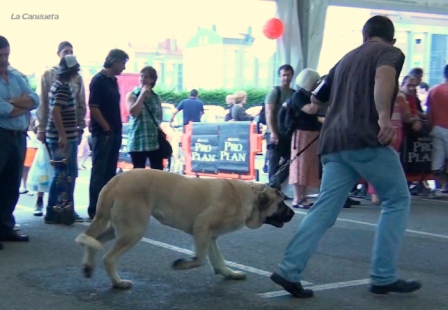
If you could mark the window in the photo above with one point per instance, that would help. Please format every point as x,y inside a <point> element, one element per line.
<point>180,73</point>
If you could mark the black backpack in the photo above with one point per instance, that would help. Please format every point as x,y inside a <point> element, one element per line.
<point>287,118</point>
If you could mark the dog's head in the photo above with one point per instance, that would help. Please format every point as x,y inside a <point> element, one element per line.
<point>269,208</point>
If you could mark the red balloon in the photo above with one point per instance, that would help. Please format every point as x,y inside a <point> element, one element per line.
<point>273,28</point>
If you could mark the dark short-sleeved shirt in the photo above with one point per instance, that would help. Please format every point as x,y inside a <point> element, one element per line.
<point>351,122</point>
<point>304,121</point>
<point>105,95</point>
<point>239,114</point>
<point>192,108</point>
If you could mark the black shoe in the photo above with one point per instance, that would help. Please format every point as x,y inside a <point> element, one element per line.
<point>295,289</point>
<point>51,217</point>
<point>14,237</point>
<point>352,202</point>
<point>399,286</point>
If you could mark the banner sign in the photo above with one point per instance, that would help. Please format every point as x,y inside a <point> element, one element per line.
<point>221,147</point>
<point>416,151</point>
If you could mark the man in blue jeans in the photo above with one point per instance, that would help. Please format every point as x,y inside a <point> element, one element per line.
<point>16,102</point>
<point>355,142</point>
<point>106,126</point>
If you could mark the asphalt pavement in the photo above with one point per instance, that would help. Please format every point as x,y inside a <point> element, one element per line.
<point>46,272</point>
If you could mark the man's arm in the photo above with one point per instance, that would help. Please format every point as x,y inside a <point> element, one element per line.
<point>29,99</point>
<point>43,108</point>
<point>384,89</point>
<point>96,114</point>
<point>8,110</point>
<point>385,85</point>
<point>95,101</point>
<point>179,108</point>
<point>271,119</point>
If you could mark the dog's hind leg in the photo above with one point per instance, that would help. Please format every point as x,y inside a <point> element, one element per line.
<point>127,238</point>
<point>202,237</point>
<point>218,264</point>
<point>88,260</point>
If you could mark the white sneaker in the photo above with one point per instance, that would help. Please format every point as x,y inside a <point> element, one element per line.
<point>16,227</point>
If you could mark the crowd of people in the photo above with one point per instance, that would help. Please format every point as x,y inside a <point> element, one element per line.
<point>60,125</point>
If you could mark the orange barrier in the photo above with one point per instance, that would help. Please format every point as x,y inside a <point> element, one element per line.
<point>223,150</point>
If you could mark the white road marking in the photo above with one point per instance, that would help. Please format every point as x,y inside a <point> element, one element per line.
<point>321,287</point>
<point>417,232</point>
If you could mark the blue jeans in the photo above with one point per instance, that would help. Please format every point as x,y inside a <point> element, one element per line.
<point>380,167</point>
<point>12,157</point>
<point>105,153</point>
<point>72,169</point>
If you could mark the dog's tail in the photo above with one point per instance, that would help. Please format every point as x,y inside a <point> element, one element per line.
<point>99,223</point>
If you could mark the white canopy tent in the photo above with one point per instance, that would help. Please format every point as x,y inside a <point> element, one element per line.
<point>301,42</point>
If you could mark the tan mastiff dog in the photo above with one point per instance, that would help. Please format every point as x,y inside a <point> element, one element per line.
<point>203,208</point>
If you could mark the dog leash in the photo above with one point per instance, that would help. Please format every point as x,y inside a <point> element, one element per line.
<point>289,161</point>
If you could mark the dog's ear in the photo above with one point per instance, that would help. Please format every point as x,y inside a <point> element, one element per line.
<point>264,201</point>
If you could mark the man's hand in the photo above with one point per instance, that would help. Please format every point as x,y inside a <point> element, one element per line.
<point>41,137</point>
<point>387,134</point>
<point>62,141</point>
<point>273,138</point>
<point>145,91</point>
<point>417,126</point>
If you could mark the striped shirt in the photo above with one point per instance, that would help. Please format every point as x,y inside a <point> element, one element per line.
<point>43,89</point>
<point>62,95</point>
<point>143,134</point>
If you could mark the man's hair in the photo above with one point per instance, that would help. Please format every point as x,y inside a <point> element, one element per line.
<point>114,56</point>
<point>379,26</point>
<point>424,85</point>
<point>63,45</point>
<point>416,71</point>
<point>151,72</point>
<point>445,72</point>
<point>286,68</point>
<point>406,78</point>
<point>3,42</point>
<point>193,93</point>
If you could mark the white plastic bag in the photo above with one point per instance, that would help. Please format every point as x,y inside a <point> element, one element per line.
<point>41,172</point>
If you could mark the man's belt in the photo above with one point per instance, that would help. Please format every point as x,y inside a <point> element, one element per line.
<point>12,132</point>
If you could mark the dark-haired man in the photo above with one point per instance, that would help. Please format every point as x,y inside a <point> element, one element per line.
<point>274,100</point>
<point>16,102</point>
<point>354,143</point>
<point>104,104</point>
<point>193,108</point>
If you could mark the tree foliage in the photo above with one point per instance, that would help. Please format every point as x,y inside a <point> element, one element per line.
<point>216,96</point>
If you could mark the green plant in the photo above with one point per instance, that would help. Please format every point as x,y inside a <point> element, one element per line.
<point>216,96</point>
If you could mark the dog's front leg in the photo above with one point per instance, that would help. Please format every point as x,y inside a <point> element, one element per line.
<point>218,264</point>
<point>202,237</point>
